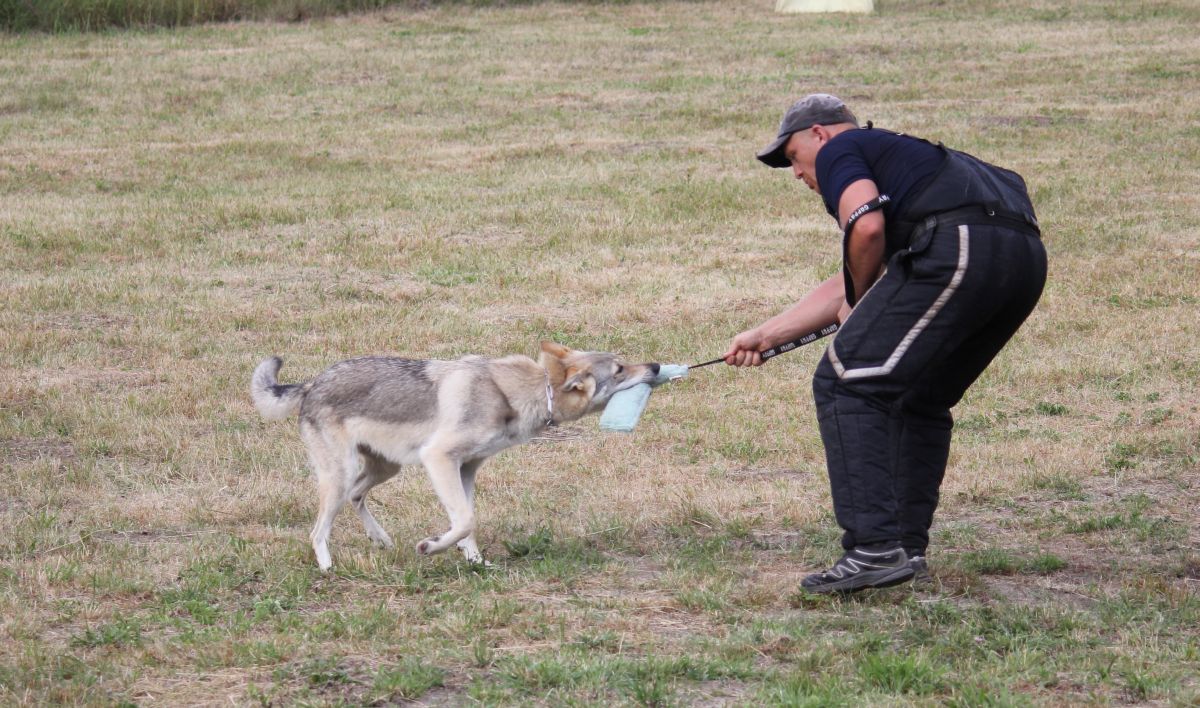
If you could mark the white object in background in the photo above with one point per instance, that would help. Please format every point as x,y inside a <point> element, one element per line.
<point>824,5</point>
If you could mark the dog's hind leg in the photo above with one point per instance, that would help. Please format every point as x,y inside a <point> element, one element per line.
<point>447,481</point>
<point>329,463</point>
<point>375,470</point>
<point>468,545</point>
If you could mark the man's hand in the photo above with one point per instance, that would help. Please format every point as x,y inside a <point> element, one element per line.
<point>745,348</point>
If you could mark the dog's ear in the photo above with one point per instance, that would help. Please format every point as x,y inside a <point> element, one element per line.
<point>581,381</point>
<point>551,359</point>
<point>554,368</point>
<point>555,349</point>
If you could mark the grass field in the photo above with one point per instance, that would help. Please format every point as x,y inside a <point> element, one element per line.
<point>432,182</point>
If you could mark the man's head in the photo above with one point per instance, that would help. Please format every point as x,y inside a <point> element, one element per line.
<point>804,129</point>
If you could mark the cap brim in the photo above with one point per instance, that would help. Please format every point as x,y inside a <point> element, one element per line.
<point>772,155</point>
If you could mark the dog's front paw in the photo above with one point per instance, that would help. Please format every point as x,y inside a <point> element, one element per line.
<point>428,547</point>
<point>324,562</point>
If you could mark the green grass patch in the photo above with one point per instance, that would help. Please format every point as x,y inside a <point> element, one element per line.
<point>91,16</point>
<point>408,680</point>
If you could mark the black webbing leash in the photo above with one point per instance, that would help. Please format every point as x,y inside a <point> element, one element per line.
<point>776,351</point>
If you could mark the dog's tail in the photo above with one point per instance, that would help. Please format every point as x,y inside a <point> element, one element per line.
<point>274,400</point>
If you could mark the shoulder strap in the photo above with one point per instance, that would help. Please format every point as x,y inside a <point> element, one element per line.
<point>871,126</point>
<point>876,203</point>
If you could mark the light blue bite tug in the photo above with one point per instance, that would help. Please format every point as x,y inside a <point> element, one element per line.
<point>625,407</point>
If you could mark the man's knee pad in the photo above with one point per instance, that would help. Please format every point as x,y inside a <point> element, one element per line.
<point>856,396</point>
<point>930,414</point>
<point>825,381</point>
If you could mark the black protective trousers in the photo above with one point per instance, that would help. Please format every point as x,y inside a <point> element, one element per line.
<point>904,357</point>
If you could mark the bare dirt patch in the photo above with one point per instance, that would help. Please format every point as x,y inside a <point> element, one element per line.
<point>30,449</point>
<point>151,536</point>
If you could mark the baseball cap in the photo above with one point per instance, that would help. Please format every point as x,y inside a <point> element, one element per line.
<point>813,109</point>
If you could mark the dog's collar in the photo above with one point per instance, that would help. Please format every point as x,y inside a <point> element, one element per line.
<point>549,402</point>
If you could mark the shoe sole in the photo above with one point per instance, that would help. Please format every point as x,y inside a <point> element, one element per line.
<point>921,576</point>
<point>863,581</point>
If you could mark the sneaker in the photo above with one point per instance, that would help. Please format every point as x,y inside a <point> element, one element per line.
<point>860,569</point>
<point>920,568</point>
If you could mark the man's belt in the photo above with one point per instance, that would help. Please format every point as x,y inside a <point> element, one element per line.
<point>976,214</point>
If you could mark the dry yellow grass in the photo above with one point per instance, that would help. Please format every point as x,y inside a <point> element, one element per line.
<point>178,205</point>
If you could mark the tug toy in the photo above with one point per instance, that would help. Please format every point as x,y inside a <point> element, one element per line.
<point>625,408</point>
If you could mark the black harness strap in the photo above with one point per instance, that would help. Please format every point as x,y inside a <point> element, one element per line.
<point>876,203</point>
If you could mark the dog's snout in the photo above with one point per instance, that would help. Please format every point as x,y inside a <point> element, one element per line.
<point>654,369</point>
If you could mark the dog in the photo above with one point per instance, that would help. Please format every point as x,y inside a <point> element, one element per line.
<point>361,419</point>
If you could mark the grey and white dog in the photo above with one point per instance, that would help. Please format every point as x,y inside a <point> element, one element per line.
<point>361,419</point>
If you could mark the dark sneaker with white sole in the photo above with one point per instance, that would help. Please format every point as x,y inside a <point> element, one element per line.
<point>860,569</point>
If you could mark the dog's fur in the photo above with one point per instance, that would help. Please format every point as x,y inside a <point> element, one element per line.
<point>361,419</point>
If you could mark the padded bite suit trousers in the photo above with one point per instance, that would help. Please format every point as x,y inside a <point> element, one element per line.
<point>903,358</point>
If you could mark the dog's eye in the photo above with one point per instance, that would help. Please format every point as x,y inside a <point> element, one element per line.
<point>620,369</point>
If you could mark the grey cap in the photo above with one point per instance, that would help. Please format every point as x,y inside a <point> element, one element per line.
<point>813,109</point>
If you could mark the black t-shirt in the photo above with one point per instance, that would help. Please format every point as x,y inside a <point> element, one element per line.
<point>899,165</point>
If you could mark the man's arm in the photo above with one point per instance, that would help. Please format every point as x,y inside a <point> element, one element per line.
<point>818,309</point>
<point>865,247</point>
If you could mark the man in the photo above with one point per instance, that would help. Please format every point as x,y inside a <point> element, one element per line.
<point>942,262</point>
